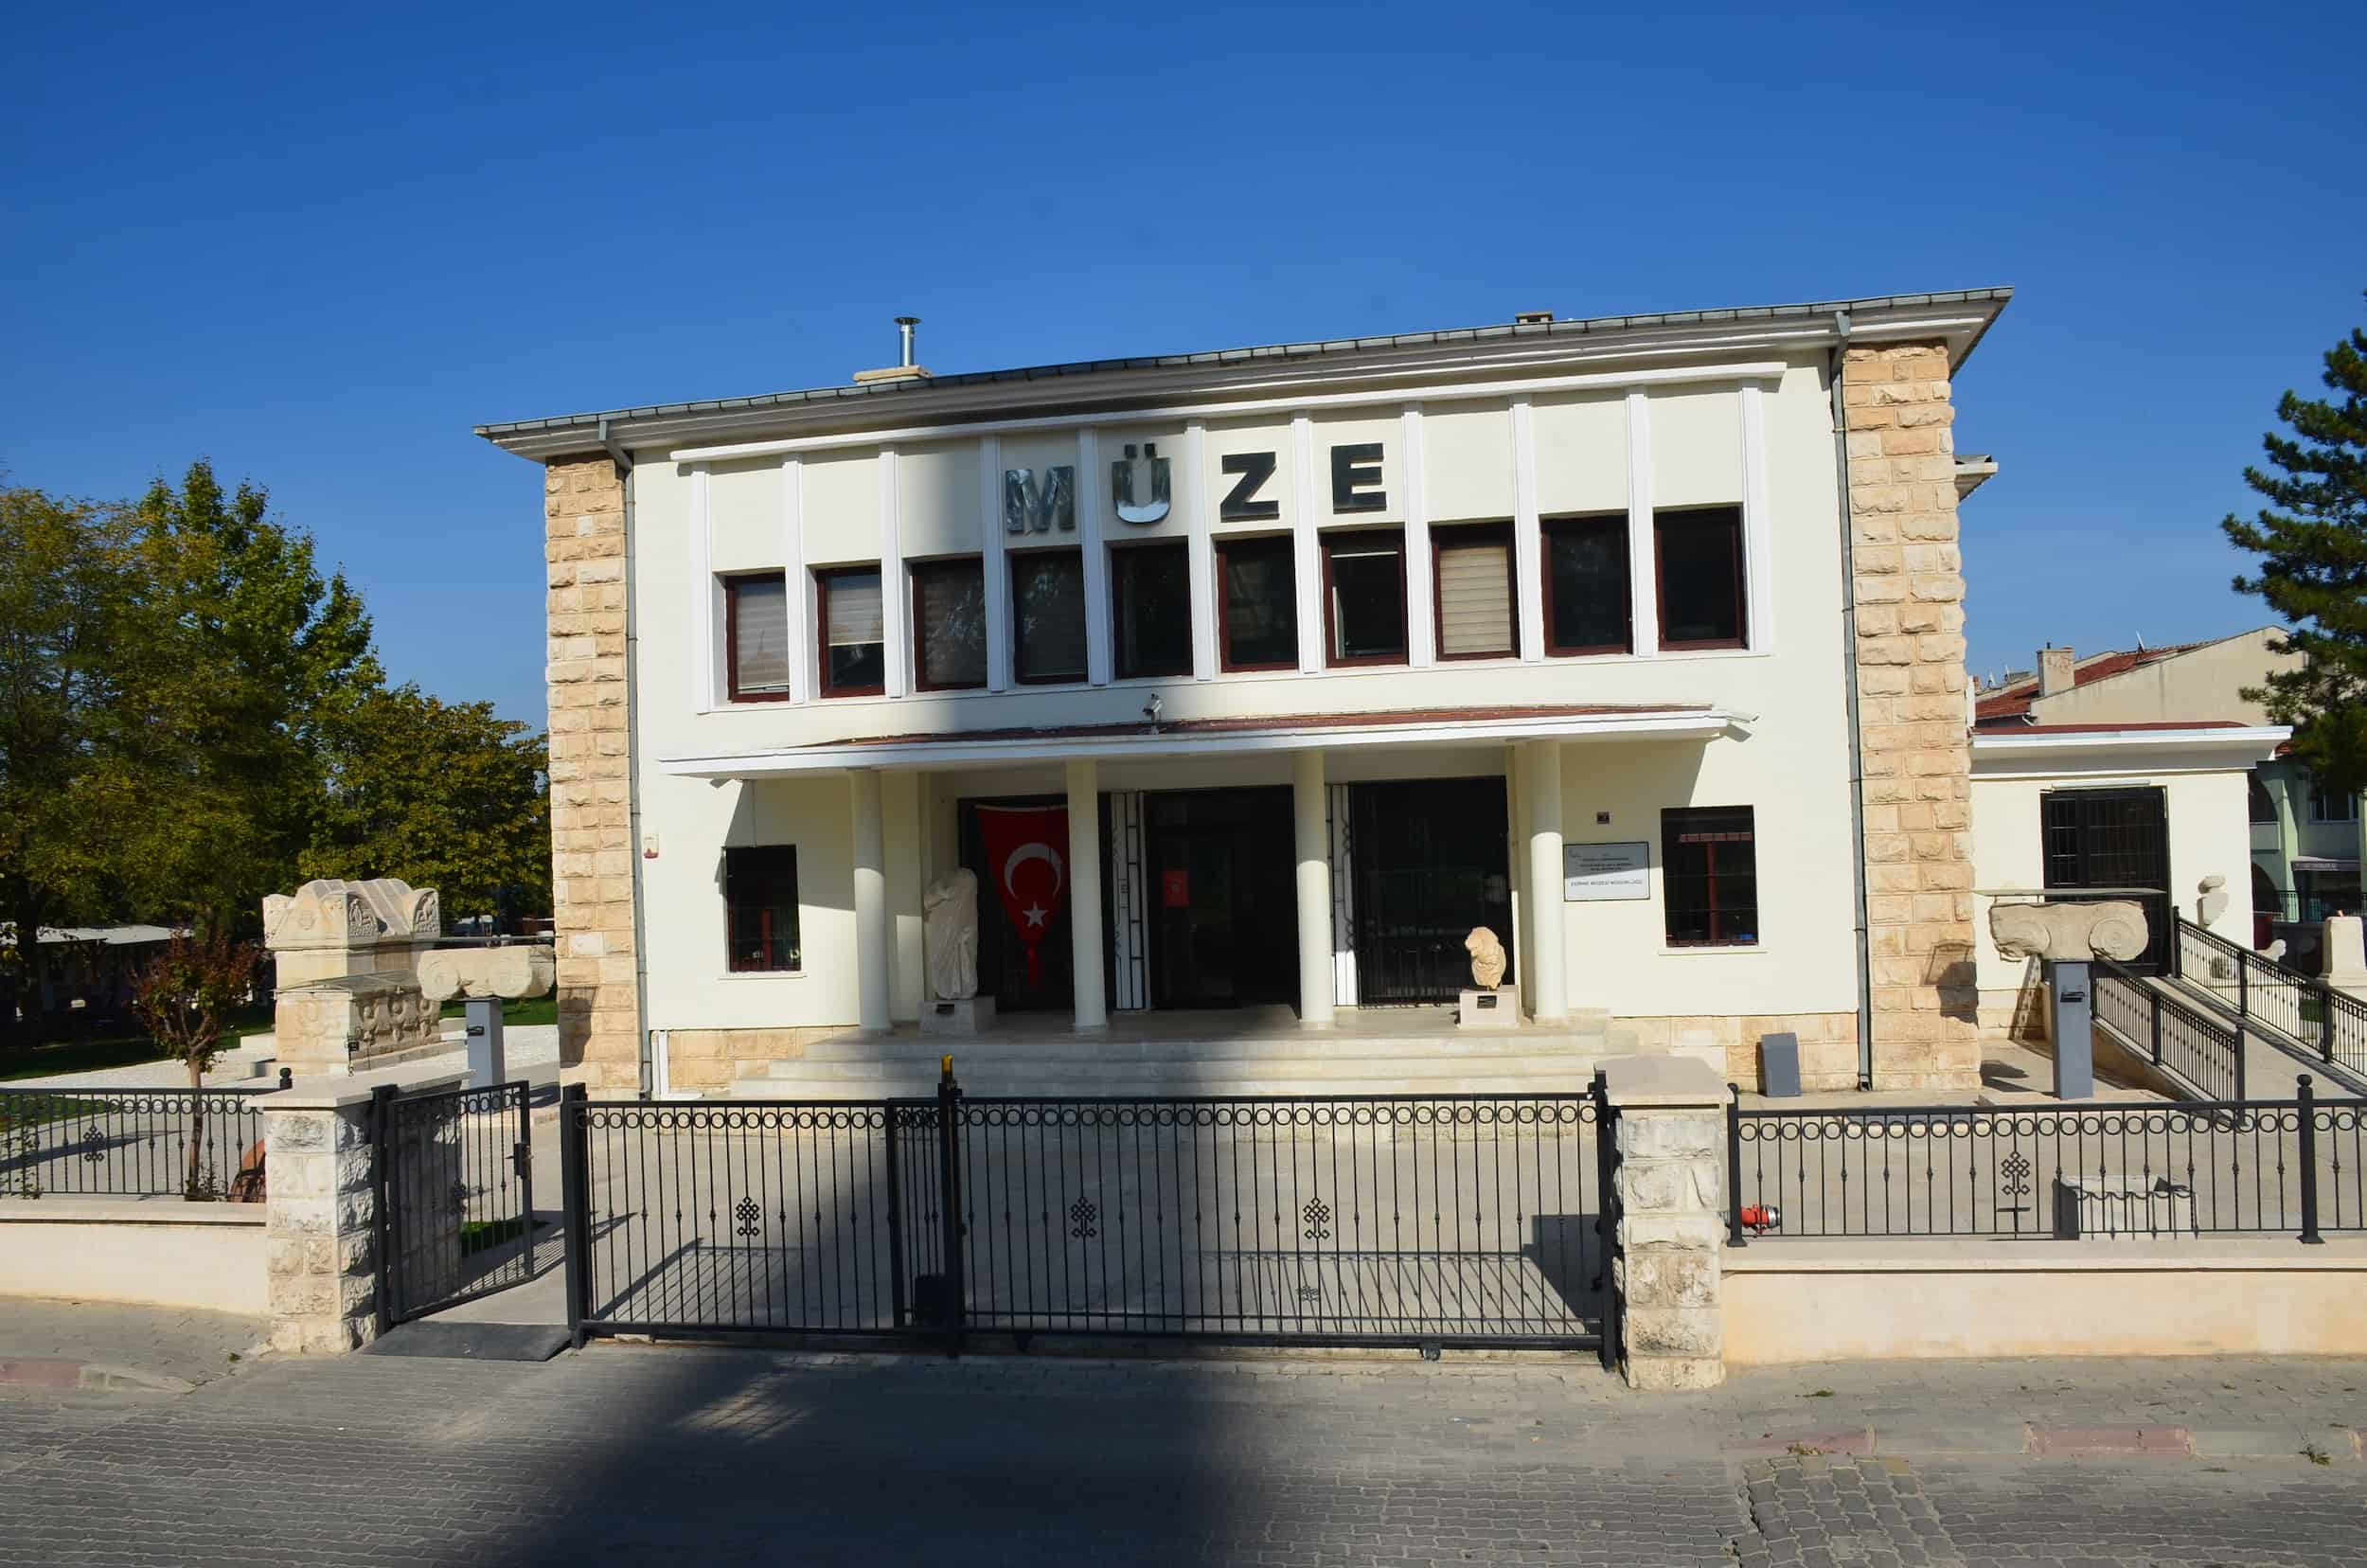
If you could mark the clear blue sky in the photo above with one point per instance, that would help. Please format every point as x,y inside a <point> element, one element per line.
<point>319,245</point>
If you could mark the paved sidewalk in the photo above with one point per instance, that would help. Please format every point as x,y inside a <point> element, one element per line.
<point>94,1344</point>
<point>626,1453</point>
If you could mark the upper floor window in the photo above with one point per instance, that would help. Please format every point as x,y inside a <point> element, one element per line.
<point>1710,876</point>
<point>1150,610</point>
<point>2326,806</point>
<point>761,908</point>
<point>1257,622</point>
<point>854,632</point>
<point>755,638</point>
<point>1048,617</point>
<point>1474,570</point>
<point>1589,596</point>
<point>1364,596</point>
<point>949,624</point>
<point>1701,578</point>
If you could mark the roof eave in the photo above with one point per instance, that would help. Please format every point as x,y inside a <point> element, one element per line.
<point>1960,318</point>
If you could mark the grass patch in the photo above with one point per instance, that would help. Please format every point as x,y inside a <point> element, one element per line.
<point>93,1053</point>
<point>21,1113</point>
<point>515,1014</point>
<point>477,1234</point>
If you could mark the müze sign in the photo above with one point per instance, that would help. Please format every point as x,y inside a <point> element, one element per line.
<point>1139,487</point>
<point>1355,483</point>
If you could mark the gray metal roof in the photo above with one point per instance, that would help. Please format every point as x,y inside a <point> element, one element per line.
<point>1271,351</point>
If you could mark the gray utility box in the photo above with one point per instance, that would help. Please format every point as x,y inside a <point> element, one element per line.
<point>1779,1065</point>
<point>2070,1020</point>
<point>488,1062</point>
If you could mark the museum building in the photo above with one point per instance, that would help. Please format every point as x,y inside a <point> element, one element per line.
<point>1249,683</point>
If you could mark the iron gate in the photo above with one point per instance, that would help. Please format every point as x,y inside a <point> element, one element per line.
<point>455,1197</point>
<point>1428,1221</point>
<point>1429,862</point>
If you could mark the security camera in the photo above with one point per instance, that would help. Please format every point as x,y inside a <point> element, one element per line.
<point>1152,708</point>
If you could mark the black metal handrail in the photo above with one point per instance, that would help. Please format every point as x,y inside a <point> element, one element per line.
<point>2203,1053</point>
<point>133,1143</point>
<point>2222,1167</point>
<point>2302,1008</point>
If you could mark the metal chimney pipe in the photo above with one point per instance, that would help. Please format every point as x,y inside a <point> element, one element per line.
<point>904,326</point>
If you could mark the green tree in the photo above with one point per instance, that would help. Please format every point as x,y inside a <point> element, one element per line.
<point>2312,543</point>
<point>184,997</point>
<point>442,794</point>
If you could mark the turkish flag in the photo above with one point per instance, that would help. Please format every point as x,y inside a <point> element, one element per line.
<point>1027,855</point>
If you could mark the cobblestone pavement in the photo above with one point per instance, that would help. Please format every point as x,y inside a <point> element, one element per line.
<point>625,1453</point>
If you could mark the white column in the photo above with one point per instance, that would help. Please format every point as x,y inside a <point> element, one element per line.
<point>1311,828</point>
<point>1084,892</point>
<point>1200,499</point>
<point>1643,558</point>
<point>1421,596</point>
<point>1092,489</point>
<point>1548,961</point>
<point>799,599</point>
<point>896,594</point>
<point>1758,523</point>
<point>997,565</point>
<point>705,618</point>
<point>1529,545</point>
<point>871,906</point>
<point>1307,545</point>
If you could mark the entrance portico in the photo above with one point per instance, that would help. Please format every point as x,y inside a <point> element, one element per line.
<point>1161,844</point>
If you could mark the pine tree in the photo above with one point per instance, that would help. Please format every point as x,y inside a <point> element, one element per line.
<point>2312,542</point>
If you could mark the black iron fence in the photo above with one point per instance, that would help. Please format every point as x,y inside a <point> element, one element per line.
<point>2308,1013</point>
<point>2203,1052</point>
<point>2238,1167</point>
<point>191,1142</point>
<point>1367,1220</point>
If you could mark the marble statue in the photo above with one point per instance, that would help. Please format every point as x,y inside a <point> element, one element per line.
<point>950,935</point>
<point>1487,957</point>
<point>2114,928</point>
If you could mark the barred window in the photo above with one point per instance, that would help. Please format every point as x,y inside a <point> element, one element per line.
<point>761,908</point>
<point>1711,877</point>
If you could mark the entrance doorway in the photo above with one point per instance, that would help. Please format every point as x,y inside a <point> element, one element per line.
<point>1223,904</point>
<point>1430,862</point>
<point>2112,839</point>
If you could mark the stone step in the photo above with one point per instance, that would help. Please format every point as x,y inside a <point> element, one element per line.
<point>981,1067</point>
<point>1093,1050</point>
<point>1547,1074</point>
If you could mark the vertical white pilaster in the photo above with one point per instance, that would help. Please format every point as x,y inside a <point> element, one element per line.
<point>872,938</point>
<point>895,595</point>
<point>705,617</point>
<point>1307,552</point>
<point>1198,533</point>
<point>1311,832</point>
<point>1084,897</point>
<point>1642,563</point>
<point>1093,500</point>
<point>799,598</point>
<point>1549,989</point>
<point>1758,522</point>
<point>996,561</point>
<point>1421,599</point>
<point>1528,546</point>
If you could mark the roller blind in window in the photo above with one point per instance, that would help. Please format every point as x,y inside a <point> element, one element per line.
<point>855,616</point>
<point>1475,597</point>
<point>760,633</point>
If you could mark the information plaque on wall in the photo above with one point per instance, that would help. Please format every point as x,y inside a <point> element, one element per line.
<point>1595,871</point>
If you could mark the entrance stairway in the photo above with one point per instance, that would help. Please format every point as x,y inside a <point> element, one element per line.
<point>1406,1051</point>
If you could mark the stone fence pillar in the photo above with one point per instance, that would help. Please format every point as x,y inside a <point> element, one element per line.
<point>1671,1184</point>
<point>320,1248</point>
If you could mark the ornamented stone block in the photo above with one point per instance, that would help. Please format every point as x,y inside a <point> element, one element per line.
<point>2112,928</point>
<point>525,969</point>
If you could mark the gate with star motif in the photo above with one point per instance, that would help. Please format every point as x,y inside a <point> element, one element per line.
<point>454,1176</point>
<point>1422,1221</point>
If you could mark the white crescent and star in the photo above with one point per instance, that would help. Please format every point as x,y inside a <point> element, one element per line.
<point>1019,856</point>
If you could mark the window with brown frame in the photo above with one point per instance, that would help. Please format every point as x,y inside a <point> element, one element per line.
<point>755,638</point>
<point>852,628</point>
<point>761,908</point>
<point>1258,617</point>
<point>1473,564</point>
<point>1699,552</point>
<point>1710,876</point>
<point>1363,596</point>
<point>1048,617</point>
<point>949,624</point>
<point>1590,603</point>
<point>1150,610</point>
